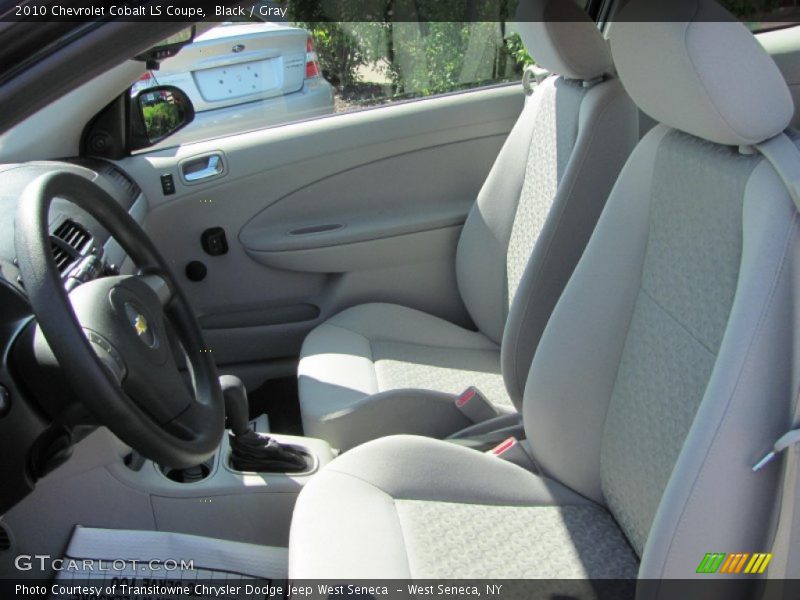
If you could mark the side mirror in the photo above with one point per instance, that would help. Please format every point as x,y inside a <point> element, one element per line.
<point>157,113</point>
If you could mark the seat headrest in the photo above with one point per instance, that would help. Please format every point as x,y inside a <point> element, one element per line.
<point>697,69</point>
<point>562,38</point>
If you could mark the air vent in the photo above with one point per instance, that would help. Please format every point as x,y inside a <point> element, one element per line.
<point>68,242</point>
<point>5,539</point>
<point>128,190</point>
<point>62,257</point>
<point>124,185</point>
<point>73,234</point>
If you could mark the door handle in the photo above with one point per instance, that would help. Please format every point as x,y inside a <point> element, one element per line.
<point>203,168</point>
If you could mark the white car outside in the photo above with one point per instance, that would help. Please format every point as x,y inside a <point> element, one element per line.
<point>245,76</point>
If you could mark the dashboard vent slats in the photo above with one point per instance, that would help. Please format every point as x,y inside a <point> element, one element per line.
<point>63,258</point>
<point>68,242</point>
<point>126,188</point>
<point>73,234</point>
<point>130,188</point>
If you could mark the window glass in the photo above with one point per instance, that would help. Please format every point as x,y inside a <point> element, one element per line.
<point>764,15</point>
<point>253,72</point>
<point>377,63</point>
<point>250,73</point>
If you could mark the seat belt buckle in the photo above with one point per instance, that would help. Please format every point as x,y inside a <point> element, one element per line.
<point>475,406</point>
<point>516,452</point>
<point>505,446</point>
<point>790,438</point>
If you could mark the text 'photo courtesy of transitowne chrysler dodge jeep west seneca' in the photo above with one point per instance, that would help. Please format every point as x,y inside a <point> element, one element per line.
<point>395,299</point>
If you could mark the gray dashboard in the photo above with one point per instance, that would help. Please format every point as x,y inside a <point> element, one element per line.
<point>81,234</point>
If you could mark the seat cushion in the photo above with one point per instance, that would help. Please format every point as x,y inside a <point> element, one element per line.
<point>413,507</point>
<point>379,369</point>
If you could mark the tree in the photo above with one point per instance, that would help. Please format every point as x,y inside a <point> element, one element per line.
<point>423,47</point>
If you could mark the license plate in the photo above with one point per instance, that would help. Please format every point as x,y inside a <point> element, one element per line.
<point>236,81</point>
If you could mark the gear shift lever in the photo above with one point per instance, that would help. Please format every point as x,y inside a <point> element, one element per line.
<point>237,408</point>
<point>249,450</point>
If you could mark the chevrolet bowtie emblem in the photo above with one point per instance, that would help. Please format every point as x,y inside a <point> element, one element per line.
<point>144,330</point>
<point>140,325</point>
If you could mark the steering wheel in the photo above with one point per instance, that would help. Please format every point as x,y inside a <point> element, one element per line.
<point>115,337</point>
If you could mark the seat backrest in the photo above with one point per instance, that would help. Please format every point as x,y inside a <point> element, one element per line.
<point>671,361</point>
<point>548,185</point>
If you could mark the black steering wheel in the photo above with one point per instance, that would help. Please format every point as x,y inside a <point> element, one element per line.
<point>115,337</point>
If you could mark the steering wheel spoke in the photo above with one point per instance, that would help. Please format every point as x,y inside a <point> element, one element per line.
<point>159,390</point>
<point>157,282</point>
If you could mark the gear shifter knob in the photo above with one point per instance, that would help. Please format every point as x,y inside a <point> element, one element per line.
<point>237,408</point>
<point>249,450</point>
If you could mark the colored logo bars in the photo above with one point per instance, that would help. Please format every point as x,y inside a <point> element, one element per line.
<point>741,563</point>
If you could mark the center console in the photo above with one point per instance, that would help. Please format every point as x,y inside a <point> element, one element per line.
<point>107,485</point>
<point>245,492</point>
<point>223,502</point>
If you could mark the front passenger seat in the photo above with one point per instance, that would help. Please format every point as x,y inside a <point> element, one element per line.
<point>378,369</point>
<point>667,370</point>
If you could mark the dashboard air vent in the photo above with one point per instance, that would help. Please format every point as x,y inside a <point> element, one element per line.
<point>125,187</point>
<point>73,234</point>
<point>68,242</point>
<point>129,187</point>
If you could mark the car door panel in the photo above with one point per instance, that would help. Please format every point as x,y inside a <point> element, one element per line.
<point>325,214</point>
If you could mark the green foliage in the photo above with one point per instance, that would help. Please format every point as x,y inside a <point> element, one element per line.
<point>437,57</point>
<point>518,51</point>
<point>750,9</point>
<point>343,44</point>
<point>428,56</point>
<point>414,47</point>
<point>160,119</point>
<point>340,53</point>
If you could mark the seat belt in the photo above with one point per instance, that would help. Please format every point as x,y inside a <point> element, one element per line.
<point>786,545</point>
<point>784,157</point>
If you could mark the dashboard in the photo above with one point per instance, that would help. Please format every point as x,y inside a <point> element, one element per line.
<point>81,248</point>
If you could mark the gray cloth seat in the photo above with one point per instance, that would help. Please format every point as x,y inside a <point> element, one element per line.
<point>379,369</point>
<point>362,389</point>
<point>463,515</point>
<point>668,367</point>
